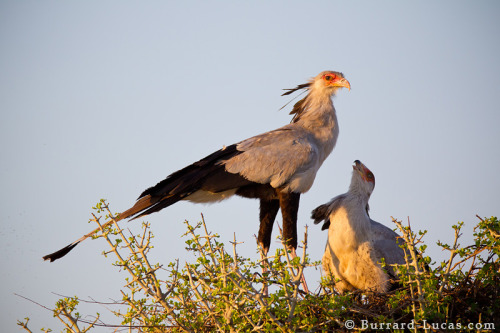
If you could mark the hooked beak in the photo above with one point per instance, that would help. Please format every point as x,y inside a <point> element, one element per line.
<point>365,173</point>
<point>358,166</point>
<point>344,84</point>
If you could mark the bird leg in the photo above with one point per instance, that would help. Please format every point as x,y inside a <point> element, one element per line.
<point>268,211</point>
<point>289,204</point>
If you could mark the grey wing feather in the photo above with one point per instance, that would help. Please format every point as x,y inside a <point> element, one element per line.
<point>323,212</point>
<point>386,243</point>
<point>274,157</point>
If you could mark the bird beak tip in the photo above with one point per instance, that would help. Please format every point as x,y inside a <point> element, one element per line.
<point>344,84</point>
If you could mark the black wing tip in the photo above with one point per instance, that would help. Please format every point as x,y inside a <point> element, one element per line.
<point>321,214</point>
<point>61,253</point>
<point>326,225</point>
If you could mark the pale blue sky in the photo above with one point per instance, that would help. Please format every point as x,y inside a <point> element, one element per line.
<point>104,99</point>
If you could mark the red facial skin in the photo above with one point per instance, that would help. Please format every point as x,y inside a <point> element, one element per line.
<point>336,81</point>
<point>368,175</point>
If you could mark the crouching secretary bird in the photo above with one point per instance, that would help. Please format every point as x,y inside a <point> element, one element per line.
<point>274,167</point>
<point>356,243</point>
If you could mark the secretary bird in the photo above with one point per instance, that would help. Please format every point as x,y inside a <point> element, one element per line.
<point>355,242</point>
<point>275,167</point>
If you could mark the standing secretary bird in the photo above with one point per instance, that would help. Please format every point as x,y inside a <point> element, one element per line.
<point>356,243</point>
<point>274,167</point>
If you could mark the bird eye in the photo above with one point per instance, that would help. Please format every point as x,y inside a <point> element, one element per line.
<point>328,77</point>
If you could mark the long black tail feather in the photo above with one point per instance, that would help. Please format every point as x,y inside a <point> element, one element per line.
<point>61,253</point>
<point>208,174</point>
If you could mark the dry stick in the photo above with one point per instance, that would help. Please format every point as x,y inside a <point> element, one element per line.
<point>299,277</point>
<point>453,252</point>
<point>409,238</point>
<point>24,324</point>
<point>157,294</point>
<point>74,320</point>
<point>264,260</point>
<point>201,298</point>
<point>303,260</point>
<point>142,251</point>
<point>213,274</point>
<point>223,276</point>
<point>207,238</point>
<point>207,234</point>
<point>94,323</point>
<point>208,242</point>
<point>257,295</point>
<point>290,267</point>
<point>139,311</point>
<point>242,291</point>
<point>231,304</point>
<point>234,243</point>
<point>71,319</point>
<point>260,300</point>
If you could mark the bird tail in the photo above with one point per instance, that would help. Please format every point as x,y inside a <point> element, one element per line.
<point>65,250</point>
<point>62,252</point>
<point>141,204</point>
<point>207,174</point>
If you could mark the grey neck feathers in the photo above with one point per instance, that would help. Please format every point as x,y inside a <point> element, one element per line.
<point>360,189</point>
<point>315,104</point>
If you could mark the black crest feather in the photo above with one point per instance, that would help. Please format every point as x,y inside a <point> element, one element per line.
<point>299,87</point>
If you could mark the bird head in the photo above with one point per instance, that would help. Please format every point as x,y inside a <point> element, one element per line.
<point>331,81</point>
<point>363,180</point>
<point>321,88</point>
<point>328,81</point>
